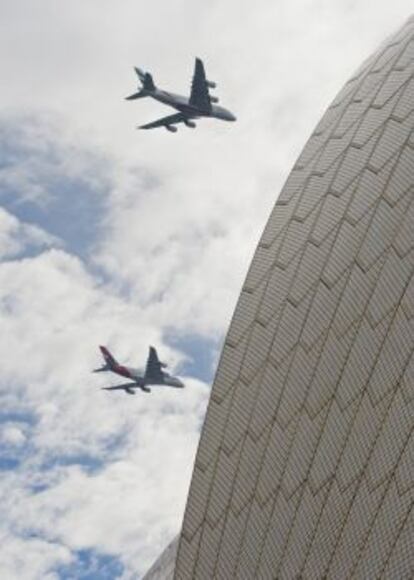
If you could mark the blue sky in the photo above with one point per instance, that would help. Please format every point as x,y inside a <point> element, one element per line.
<point>113,236</point>
<point>69,206</point>
<point>89,566</point>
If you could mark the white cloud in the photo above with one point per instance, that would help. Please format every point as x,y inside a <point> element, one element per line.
<point>12,435</point>
<point>30,558</point>
<point>125,508</point>
<point>17,236</point>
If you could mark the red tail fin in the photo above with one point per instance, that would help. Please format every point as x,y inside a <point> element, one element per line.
<point>109,359</point>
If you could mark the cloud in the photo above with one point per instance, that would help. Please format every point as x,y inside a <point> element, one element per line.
<point>30,557</point>
<point>17,237</point>
<point>124,508</point>
<point>12,435</point>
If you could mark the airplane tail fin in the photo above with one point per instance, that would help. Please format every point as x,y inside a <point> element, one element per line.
<point>147,83</point>
<point>110,361</point>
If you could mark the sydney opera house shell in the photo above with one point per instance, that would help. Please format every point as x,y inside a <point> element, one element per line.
<point>305,467</point>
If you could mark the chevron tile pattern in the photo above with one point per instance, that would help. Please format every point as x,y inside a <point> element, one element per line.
<point>305,467</point>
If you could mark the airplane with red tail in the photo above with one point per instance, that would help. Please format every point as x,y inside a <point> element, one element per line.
<point>152,376</point>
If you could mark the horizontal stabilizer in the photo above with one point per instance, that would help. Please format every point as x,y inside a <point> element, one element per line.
<point>138,95</point>
<point>101,369</point>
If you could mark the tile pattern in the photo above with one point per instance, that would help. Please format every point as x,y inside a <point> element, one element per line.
<point>305,467</point>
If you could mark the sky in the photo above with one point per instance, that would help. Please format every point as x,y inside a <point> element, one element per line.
<point>113,236</point>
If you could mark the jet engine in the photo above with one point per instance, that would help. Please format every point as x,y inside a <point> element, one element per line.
<point>214,99</point>
<point>211,85</point>
<point>171,128</point>
<point>190,124</point>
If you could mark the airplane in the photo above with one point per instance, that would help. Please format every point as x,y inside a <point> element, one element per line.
<point>199,104</point>
<point>153,375</point>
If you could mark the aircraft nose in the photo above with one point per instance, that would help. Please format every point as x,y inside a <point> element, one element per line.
<point>232,117</point>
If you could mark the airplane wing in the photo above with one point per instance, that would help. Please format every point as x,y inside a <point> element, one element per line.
<point>166,121</point>
<point>200,97</point>
<point>153,370</point>
<point>127,387</point>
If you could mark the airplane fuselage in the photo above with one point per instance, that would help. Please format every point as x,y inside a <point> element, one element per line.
<point>137,375</point>
<point>182,104</point>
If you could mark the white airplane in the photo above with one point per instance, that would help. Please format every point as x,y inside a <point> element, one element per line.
<point>199,104</point>
<point>153,375</point>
